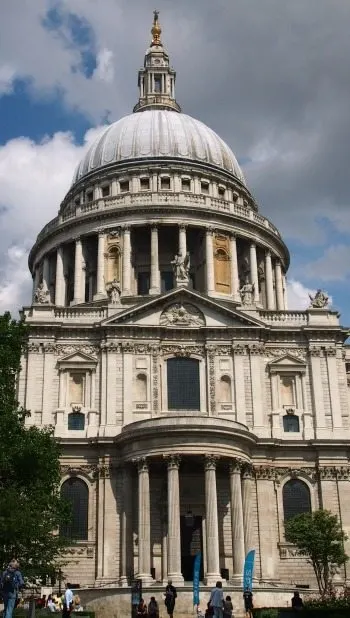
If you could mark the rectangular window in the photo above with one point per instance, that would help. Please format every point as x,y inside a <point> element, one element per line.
<point>144,184</point>
<point>76,388</point>
<point>157,83</point>
<point>89,196</point>
<point>165,183</point>
<point>77,201</point>
<point>105,191</point>
<point>167,280</point>
<point>221,191</point>
<point>205,187</point>
<point>287,390</point>
<point>186,184</point>
<point>124,186</point>
<point>183,384</point>
<point>143,283</point>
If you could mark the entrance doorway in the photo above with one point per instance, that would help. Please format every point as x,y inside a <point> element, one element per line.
<point>191,544</point>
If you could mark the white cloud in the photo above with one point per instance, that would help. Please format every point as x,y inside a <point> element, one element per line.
<point>333,265</point>
<point>105,66</point>
<point>7,76</point>
<point>298,295</point>
<point>34,178</point>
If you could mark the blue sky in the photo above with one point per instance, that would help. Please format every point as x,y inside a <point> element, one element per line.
<point>281,102</point>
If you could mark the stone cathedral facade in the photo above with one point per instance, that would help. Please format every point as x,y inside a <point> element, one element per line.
<point>195,412</point>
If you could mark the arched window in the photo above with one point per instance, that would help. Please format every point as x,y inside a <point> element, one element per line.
<point>225,391</point>
<point>76,492</point>
<point>296,498</point>
<point>141,387</point>
<point>183,384</point>
<point>291,423</point>
<point>222,271</point>
<point>76,420</point>
<point>113,264</point>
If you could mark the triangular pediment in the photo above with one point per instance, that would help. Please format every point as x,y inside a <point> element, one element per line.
<point>76,358</point>
<point>183,308</point>
<point>287,362</point>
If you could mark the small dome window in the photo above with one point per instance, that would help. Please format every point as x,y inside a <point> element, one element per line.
<point>221,191</point>
<point>186,184</point>
<point>205,187</point>
<point>165,183</point>
<point>89,196</point>
<point>106,191</point>
<point>124,186</point>
<point>144,184</point>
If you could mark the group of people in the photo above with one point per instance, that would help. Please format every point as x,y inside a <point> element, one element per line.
<point>61,603</point>
<point>220,607</point>
<point>152,609</point>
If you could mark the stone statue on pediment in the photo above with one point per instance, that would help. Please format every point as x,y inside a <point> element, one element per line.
<point>42,295</point>
<point>182,315</point>
<point>319,301</point>
<point>113,291</point>
<point>247,293</point>
<point>181,267</point>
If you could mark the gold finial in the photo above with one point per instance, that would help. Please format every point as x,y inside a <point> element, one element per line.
<point>156,30</point>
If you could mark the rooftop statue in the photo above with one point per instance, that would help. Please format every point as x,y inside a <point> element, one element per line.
<point>181,266</point>
<point>41,295</point>
<point>319,301</point>
<point>247,293</point>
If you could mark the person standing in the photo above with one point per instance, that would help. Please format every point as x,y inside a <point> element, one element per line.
<point>228,607</point>
<point>217,600</point>
<point>11,583</point>
<point>170,597</point>
<point>248,601</point>
<point>297,601</point>
<point>67,602</point>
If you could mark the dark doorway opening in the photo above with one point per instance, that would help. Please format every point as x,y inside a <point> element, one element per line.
<point>191,544</point>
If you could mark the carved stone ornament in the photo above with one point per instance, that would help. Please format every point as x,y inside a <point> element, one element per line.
<point>113,291</point>
<point>236,465</point>
<point>63,350</point>
<point>33,347</point>
<point>141,463</point>
<point>247,293</point>
<point>266,473</point>
<point>211,368</point>
<point>248,471</point>
<point>183,315</point>
<point>331,473</point>
<point>182,350</point>
<point>181,267</point>
<point>155,381</point>
<point>319,301</point>
<point>239,349</point>
<point>288,551</point>
<point>173,461</point>
<point>315,351</point>
<point>90,470</point>
<point>257,349</point>
<point>280,352</point>
<point>210,462</point>
<point>330,351</point>
<point>49,347</point>
<point>42,295</point>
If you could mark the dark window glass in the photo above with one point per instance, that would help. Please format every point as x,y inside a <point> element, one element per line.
<point>143,283</point>
<point>205,187</point>
<point>89,196</point>
<point>165,183</point>
<point>76,493</point>
<point>144,184</point>
<point>157,83</point>
<point>296,498</point>
<point>167,281</point>
<point>183,384</point>
<point>186,184</point>
<point>221,191</point>
<point>76,420</point>
<point>290,423</point>
<point>105,191</point>
<point>124,186</point>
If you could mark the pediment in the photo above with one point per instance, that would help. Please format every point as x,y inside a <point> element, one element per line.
<point>183,308</point>
<point>287,362</point>
<point>77,358</point>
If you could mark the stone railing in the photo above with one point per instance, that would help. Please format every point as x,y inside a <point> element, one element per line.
<point>79,313</point>
<point>284,318</point>
<point>167,198</point>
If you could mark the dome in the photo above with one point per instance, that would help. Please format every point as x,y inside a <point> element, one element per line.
<point>158,133</point>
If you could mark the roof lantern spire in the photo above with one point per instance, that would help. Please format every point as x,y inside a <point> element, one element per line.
<point>156,29</point>
<point>156,80</point>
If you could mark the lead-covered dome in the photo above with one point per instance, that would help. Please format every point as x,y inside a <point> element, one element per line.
<point>158,133</point>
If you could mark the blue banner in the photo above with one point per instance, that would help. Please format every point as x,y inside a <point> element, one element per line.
<point>196,574</point>
<point>248,570</point>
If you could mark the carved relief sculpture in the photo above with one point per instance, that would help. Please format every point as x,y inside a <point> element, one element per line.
<point>113,291</point>
<point>42,295</point>
<point>182,315</point>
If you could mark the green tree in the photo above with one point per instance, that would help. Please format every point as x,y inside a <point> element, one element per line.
<point>320,537</point>
<point>31,509</point>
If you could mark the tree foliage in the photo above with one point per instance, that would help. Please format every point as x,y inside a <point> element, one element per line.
<point>31,509</point>
<point>319,535</point>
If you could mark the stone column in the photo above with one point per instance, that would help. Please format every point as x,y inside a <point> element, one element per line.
<point>126,558</point>
<point>155,275</point>
<point>209,250</point>
<point>211,515</point>
<point>78,267</point>
<point>234,269</point>
<point>247,499</point>
<point>270,301</point>
<point>100,279</point>
<point>60,292</point>
<point>237,520</point>
<point>36,279</point>
<point>144,524</point>
<point>46,273</point>
<point>279,286</point>
<point>174,537</point>
<point>126,262</point>
<point>254,270</point>
<point>182,240</point>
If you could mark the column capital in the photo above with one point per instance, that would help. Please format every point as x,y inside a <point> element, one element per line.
<point>210,462</point>
<point>183,226</point>
<point>210,230</point>
<point>77,239</point>
<point>253,245</point>
<point>248,471</point>
<point>173,461</point>
<point>268,253</point>
<point>141,463</point>
<point>155,225</point>
<point>125,228</point>
<point>233,235</point>
<point>101,231</point>
<point>236,465</point>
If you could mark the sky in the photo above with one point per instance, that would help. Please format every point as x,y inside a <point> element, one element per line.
<point>271,77</point>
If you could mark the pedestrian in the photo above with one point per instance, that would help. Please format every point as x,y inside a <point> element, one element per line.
<point>170,597</point>
<point>248,601</point>
<point>11,583</point>
<point>217,600</point>
<point>67,601</point>
<point>297,601</point>
<point>228,607</point>
<point>153,608</point>
<point>141,609</point>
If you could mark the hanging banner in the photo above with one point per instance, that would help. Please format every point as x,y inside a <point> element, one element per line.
<point>196,574</point>
<point>248,570</point>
